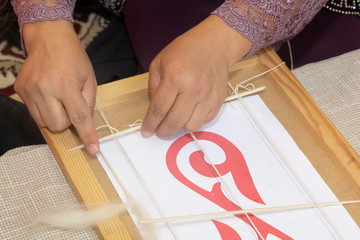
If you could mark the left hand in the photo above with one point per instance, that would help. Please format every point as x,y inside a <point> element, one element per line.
<point>188,78</point>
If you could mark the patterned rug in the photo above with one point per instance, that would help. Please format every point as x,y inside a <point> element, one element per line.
<point>87,26</point>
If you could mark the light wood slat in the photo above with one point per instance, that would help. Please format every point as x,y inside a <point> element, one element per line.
<point>312,113</point>
<point>83,181</point>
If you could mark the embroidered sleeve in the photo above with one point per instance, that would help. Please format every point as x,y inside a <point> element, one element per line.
<point>268,22</point>
<point>29,11</point>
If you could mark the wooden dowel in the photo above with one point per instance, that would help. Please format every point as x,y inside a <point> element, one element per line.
<point>256,210</point>
<point>120,133</point>
<point>137,128</point>
<point>244,94</point>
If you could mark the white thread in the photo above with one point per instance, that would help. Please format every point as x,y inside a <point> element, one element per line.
<point>275,147</point>
<point>288,165</point>
<point>136,126</point>
<point>106,126</point>
<point>117,134</point>
<point>248,87</point>
<point>290,55</point>
<point>102,114</point>
<point>135,205</point>
<point>144,185</point>
<point>224,183</point>
<point>244,94</point>
<point>241,84</point>
<point>244,211</point>
<point>137,123</point>
<point>82,217</point>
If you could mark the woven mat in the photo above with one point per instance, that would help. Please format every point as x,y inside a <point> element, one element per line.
<point>32,184</point>
<point>335,86</point>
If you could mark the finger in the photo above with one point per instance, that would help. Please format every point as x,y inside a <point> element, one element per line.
<point>79,114</point>
<point>197,118</point>
<point>160,104</point>
<point>35,114</point>
<point>178,116</point>
<point>203,113</point>
<point>53,114</point>
<point>32,108</point>
<point>211,115</point>
<point>89,92</point>
<point>154,77</point>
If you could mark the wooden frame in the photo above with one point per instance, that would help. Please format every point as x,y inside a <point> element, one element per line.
<point>125,101</point>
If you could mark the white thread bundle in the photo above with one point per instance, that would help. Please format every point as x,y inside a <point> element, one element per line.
<point>82,217</point>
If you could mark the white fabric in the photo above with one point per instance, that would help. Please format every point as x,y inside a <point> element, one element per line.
<point>31,184</point>
<point>335,86</point>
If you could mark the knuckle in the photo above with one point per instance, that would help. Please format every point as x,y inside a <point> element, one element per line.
<point>174,77</point>
<point>156,111</point>
<point>165,132</point>
<point>41,88</point>
<point>79,116</point>
<point>173,124</point>
<point>57,126</point>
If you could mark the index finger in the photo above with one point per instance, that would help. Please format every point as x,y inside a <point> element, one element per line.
<point>79,113</point>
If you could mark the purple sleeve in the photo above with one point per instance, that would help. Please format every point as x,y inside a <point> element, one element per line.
<point>29,11</point>
<point>268,22</point>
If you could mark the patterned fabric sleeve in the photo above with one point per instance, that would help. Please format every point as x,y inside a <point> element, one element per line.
<point>29,11</point>
<point>268,22</point>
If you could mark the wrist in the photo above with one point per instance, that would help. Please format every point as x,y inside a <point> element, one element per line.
<point>233,45</point>
<point>44,32</point>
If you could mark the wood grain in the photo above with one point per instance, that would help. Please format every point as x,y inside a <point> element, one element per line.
<point>315,117</point>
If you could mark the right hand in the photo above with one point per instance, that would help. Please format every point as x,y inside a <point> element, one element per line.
<point>57,81</point>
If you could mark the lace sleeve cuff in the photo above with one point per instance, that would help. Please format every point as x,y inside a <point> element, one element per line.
<point>269,22</point>
<point>41,11</point>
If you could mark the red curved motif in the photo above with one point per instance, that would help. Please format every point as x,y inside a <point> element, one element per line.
<point>235,164</point>
<point>226,232</point>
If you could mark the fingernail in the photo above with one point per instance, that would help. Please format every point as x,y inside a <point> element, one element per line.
<point>146,133</point>
<point>93,149</point>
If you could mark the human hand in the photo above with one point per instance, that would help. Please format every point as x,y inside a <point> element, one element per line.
<point>188,78</point>
<point>57,81</point>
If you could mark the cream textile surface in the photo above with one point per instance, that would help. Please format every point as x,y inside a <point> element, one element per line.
<point>335,86</point>
<point>32,183</point>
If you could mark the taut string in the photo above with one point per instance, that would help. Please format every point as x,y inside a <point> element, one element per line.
<point>245,211</point>
<point>242,85</point>
<point>136,126</point>
<point>224,183</point>
<point>282,156</point>
<point>289,166</point>
<point>136,172</point>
